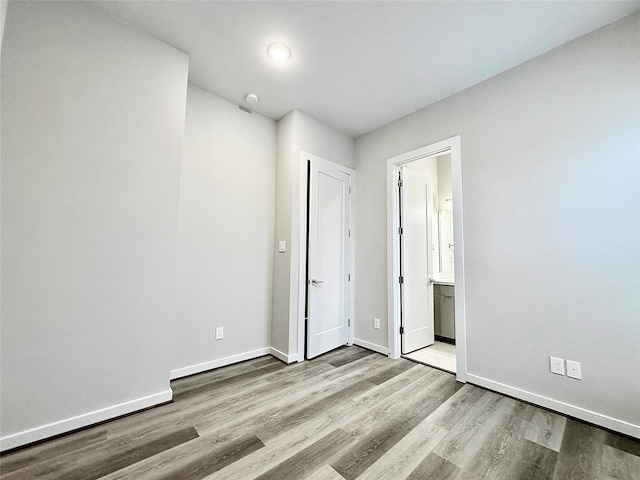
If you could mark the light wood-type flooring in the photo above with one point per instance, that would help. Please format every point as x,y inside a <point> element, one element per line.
<point>349,414</point>
<point>440,355</point>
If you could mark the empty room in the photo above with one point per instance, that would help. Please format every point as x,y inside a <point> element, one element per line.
<point>319,240</point>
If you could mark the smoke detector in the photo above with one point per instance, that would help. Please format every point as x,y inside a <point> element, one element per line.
<point>251,98</point>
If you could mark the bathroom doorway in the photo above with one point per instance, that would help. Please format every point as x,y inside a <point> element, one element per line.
<point>427,292</point>
<point>427,302</point>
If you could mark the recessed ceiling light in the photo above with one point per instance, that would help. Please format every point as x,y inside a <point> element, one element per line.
<point>279,52</point>
<point>251,98</point>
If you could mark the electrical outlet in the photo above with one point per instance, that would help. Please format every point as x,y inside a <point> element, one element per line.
<point>376,323</point>
<point>574,370</point>
<point>219,333</point>
<point>556,365</point>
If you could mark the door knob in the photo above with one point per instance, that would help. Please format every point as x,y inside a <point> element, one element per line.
<point>315,281</point>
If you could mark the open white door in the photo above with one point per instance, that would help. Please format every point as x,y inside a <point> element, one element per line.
<point>416,289</point>
<point>327,286</point>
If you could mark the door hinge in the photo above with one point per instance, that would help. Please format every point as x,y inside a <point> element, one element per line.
<point>400,279</point>
<point>400,230</point>
<point>399,183</point>
<point>401,330</point>
<point>349,277</point>
<point>349,233</point>
<point>348,322</point>
<point>349,189</point>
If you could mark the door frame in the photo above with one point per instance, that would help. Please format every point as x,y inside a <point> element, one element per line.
<point>452,145</point>
<point>302,261</point>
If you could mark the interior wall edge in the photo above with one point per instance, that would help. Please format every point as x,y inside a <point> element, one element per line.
<point>291,358</point>
<point>3,17</point>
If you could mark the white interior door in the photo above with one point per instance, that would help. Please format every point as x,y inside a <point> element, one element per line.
<point>415,262</point>
<point>328,257</point>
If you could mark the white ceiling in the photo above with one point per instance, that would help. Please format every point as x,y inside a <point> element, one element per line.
<point>359,65</point>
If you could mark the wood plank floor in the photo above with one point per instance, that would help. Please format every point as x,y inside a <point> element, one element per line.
<point>350,414</point>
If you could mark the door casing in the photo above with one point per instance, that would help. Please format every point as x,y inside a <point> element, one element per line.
<point>452,145</point>
<point>302,261</point>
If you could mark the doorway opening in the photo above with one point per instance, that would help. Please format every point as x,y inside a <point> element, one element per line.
<point>425,256</point>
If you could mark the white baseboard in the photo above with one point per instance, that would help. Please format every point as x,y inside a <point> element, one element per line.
<point>371,346</point>
<point>283,356</point>
<point>221,362</point>
<point>69,424</point>
<point>566,408</point>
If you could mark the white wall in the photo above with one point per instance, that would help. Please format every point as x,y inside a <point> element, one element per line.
<point>225,235</point>
<point>551,189</point>
<point>92,133</point>
<point>297,133</point>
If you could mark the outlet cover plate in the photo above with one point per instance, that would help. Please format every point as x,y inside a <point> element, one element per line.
<point>574,370</point>
<point>376,323</point>
<point>556,365</point>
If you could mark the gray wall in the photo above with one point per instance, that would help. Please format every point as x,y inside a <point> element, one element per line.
<point>550,164</point>
<point>225,234</point>
<point>297,133</point>
<point>92,133</point>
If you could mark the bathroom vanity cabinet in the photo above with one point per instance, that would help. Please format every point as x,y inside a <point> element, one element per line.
<point>444,313</point>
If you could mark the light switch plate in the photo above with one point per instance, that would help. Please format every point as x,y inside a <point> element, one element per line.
<point>282,246</point>
<point>219,333</point>
<point>376,323</point>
